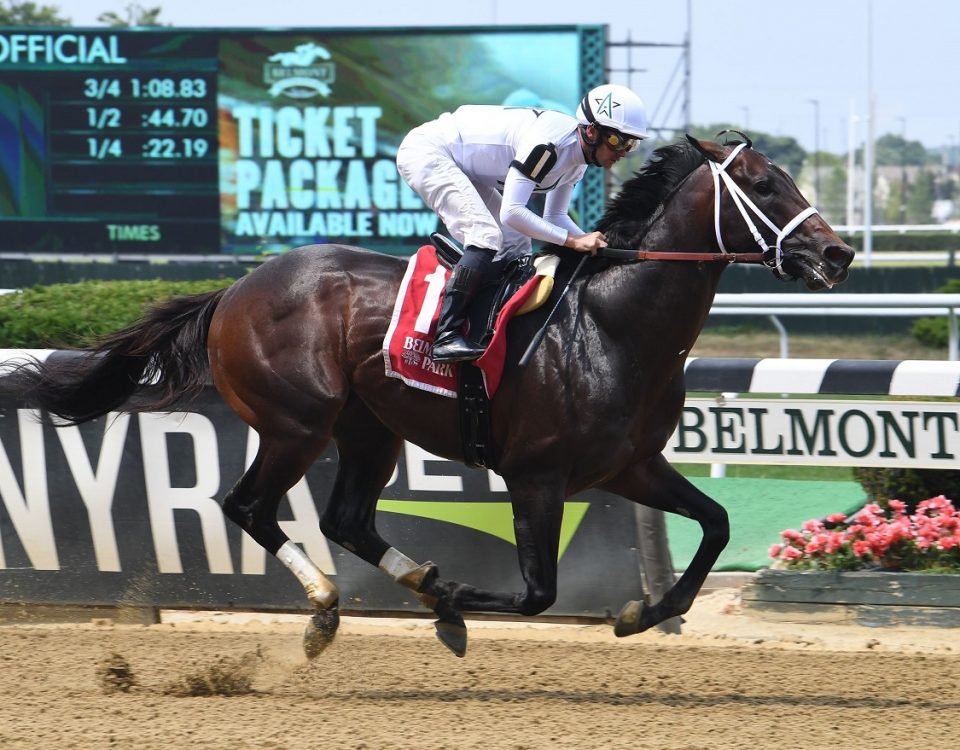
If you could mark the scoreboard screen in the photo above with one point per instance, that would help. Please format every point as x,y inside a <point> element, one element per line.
<point>228,142</point>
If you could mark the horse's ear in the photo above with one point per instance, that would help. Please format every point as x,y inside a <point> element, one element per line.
<point>713,151</point>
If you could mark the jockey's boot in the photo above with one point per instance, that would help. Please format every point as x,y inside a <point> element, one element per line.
<point>449,343</point>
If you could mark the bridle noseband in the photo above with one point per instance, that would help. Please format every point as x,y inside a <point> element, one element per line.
<point>772,256</point>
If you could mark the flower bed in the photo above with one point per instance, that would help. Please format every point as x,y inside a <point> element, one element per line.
<point>878,567</point>
<point>875,537</point>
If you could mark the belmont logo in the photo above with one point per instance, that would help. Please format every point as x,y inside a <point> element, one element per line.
<point>297,74</point>
<point>416,352</point>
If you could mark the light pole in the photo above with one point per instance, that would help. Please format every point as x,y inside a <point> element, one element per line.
<point>816,149</point>
<point>868,144</point>
<point>903,170</point>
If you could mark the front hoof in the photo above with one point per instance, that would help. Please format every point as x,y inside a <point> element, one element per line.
<point>629,620</point>
<point>452,632</point>
<point>320,631</point>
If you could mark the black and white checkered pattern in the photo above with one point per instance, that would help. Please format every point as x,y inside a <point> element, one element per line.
<point>877,377</point>
<point>862,377</point>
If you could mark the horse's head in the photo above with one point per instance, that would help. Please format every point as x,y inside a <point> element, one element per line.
<point>757,204</point>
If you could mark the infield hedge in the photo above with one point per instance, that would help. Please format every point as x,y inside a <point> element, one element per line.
<point>70,315</point>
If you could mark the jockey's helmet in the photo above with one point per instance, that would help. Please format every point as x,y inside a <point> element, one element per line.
<point>614,107</point>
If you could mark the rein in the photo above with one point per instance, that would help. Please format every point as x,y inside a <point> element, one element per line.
<point>616,253</point>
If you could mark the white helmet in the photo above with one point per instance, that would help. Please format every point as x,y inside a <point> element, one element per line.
<point>615,107</point>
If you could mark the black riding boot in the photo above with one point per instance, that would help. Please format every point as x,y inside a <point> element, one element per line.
<point>449,343</point>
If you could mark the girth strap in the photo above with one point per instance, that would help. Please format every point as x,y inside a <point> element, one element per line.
<point>476,431</point>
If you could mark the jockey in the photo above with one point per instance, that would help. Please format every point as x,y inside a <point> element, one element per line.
<point>479,166</point>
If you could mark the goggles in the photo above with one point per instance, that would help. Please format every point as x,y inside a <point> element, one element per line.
<point>618,142</point>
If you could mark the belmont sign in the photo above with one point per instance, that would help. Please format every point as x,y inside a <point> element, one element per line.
<point>818,432</point>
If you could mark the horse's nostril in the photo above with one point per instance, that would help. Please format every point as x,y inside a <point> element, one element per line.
<point>838,255</point>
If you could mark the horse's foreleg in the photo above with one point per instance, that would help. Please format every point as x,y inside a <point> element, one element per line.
<point>658,485</point>
<point>252,505</point>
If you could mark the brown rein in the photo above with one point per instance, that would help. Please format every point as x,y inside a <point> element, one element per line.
<point>620,254</point>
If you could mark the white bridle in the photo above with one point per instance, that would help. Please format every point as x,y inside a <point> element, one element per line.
<point>740,198</point>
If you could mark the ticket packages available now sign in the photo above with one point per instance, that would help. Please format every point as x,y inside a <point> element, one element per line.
<point>818,432</point>
<point>248,141</point>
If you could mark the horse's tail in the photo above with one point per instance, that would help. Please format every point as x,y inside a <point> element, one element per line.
<point>162,357</point>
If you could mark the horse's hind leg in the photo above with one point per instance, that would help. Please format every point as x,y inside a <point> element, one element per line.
<point>368,454</point>
<point>252,505</point>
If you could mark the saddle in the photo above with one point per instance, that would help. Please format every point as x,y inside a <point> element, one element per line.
<point>503,280</point>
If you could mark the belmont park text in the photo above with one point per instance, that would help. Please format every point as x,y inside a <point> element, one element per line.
<point>850,433</point>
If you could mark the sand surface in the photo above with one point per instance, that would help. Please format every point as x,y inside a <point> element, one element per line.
<point>732,680</point>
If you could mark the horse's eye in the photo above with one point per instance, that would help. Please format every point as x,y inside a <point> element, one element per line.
<point>763,188</point>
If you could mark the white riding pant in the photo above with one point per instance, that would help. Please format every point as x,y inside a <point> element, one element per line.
<point>469,211</point>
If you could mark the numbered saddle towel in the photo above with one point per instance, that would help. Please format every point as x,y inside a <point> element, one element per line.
<point>409,340</point>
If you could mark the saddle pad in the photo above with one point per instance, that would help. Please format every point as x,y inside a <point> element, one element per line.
<point>409,338</point>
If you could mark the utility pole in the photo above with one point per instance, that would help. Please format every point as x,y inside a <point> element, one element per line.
<point>816,149</point>
<point>688,65</point>
<point>851,165</point>
<point>903,170</point>
<point>868,148</point>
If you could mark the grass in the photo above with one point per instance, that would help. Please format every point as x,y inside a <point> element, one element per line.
<point>751,342</point>
<point>764,471</point>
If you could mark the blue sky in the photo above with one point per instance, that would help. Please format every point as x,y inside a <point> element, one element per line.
<point>759,63</point>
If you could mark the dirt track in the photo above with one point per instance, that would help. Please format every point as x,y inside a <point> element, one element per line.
<point>728,682</point>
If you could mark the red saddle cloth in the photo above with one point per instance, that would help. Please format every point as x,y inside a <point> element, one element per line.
<point>409,340</point>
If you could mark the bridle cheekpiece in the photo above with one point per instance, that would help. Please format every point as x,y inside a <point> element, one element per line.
<point>772,255</point>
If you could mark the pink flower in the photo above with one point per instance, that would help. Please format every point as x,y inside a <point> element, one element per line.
<point>775,550</point>
<point>837,518</point>
<point>834,542</point>
<point>813,546</point>
<point>792,553</point>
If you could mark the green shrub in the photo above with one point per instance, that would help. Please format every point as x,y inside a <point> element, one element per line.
<point>70,315</point>
<point>909,485</point>
<point>934,332</point>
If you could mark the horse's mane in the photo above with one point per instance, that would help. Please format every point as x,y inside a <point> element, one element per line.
<point>629,213</point>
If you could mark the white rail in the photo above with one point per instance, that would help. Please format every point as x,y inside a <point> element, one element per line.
<point>828,303</point>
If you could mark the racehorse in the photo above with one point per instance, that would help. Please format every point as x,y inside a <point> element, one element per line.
<point>294,348</point>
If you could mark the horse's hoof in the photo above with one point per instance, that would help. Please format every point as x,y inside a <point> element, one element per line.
<point>628,621</point>
<point>320,631</point>
<point>452,632</point>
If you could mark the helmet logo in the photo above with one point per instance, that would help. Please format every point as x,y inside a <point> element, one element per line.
<point>605,105</point>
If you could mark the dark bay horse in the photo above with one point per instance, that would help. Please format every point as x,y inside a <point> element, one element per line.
<point>295,349</point>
